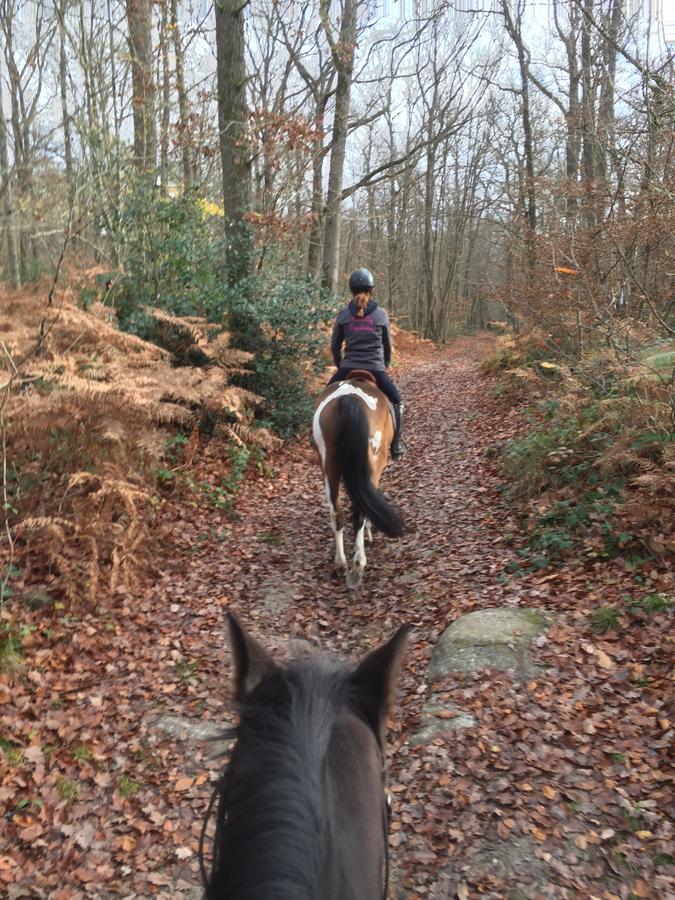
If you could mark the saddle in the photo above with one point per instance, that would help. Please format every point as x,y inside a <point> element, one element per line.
<point>361,375</point>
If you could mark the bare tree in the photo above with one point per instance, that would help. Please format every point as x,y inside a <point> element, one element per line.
<point>514,27</point>
<point>26,66</point>
<point>63,85</point>
<point>343,51</point>
<point>6,175</point>
<point>164,79</point>
<point>232,113</point>
<point>183,106</point>
<point>139,17</point>
<point>319,80</point>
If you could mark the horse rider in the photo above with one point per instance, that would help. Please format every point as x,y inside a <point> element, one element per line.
<point>364,328</point>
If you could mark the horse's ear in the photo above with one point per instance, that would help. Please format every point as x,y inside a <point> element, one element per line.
<point>251,661</point>
<point>374,680</point>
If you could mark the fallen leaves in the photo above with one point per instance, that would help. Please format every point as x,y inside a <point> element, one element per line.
<point>564,778</point>
<point>183,784</point>
<point>31,832</point>
<point>604,661</point>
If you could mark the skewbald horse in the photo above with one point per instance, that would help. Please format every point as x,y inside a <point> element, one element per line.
<point>352,431</point>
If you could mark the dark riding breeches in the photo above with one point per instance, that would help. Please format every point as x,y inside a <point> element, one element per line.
<point>384,382</point>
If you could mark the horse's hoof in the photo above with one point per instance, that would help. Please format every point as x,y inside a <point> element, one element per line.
<point>354,579</point>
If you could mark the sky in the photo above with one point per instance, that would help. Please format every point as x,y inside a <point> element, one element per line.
<point>539,11</point>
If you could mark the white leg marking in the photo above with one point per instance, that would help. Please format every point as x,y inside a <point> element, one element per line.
<point>340,558</point>
<point>369,531</point>
<point>360,554</point>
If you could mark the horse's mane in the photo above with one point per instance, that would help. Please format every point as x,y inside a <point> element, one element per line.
<point>273,836</point>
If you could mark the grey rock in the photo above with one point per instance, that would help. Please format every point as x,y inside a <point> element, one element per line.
<point>510,860</point>
<point>193,731</point>
<point>277,598</point>
<point>497,626</point>
<point>489,638</point>
<point>434,725</point>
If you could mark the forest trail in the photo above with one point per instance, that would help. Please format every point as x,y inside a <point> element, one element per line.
<point>520,804</point>
<point>558,785</point>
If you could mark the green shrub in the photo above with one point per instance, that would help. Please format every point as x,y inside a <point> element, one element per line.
<point>223,495</point>
<point>564,527</point>
<point>127,786</point>
<point>277,315</point>
<point>599,450</point>
<point>525,460</point>
<point>649,605</point>
<point>173,258</point>
<point>561,453</point>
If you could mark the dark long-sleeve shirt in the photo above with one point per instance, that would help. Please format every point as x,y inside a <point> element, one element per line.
<point>367,339</point>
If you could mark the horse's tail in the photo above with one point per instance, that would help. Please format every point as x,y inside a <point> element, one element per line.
<point>353,435</point>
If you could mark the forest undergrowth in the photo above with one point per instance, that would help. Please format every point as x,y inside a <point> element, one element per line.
<point>593,473</point>
<point>94,419</point>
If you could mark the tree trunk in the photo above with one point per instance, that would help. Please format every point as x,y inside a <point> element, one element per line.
<point>429,329</point>
<point>183,108</point>
<point>343,56</point>
<point>63,83</point>
<point>514,28</point>
<point>573,115</point>
<point>139,17</point>
<point>314,248</point>
<point>232,117</point>
<point>166,102</point>
<point>22,165</point>
<point>606,115</point>
<point>6,181</point>
<point>588,113</point>
<point>391,248</point>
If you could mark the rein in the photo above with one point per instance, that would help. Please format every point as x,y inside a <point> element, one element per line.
<point>219,795</point>
<point>386,822</point>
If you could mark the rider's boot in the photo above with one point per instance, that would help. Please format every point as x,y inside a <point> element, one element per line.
<point>398,448</point>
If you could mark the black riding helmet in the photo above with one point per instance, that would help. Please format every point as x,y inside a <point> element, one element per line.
<point>361,280</point>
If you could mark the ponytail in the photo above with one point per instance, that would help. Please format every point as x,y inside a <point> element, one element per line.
<point>361,299</point>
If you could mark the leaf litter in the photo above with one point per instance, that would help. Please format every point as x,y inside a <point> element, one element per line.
<point>563,786</point>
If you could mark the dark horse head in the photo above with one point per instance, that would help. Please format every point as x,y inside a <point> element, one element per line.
<point>302,810</point>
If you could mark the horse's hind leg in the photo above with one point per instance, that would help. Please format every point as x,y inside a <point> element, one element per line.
<point>355,577</point>
<point>360,553</point>
<point>369,532</point>
<point>337,522</point>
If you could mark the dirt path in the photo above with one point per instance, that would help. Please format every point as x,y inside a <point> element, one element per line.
<point>559,788</point>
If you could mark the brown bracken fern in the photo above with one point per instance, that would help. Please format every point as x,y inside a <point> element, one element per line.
<point>87,423</point>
